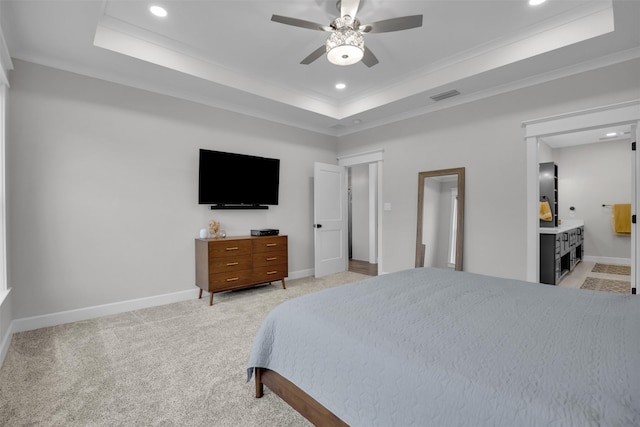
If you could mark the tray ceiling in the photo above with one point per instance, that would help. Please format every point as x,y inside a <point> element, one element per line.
<point>229,54</point>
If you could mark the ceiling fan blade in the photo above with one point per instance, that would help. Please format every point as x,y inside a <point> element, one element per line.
<point>349,7</point>
<point>369,59</point>
<point>314,55</point>
<point>393,24</point>
<point>299,23</point>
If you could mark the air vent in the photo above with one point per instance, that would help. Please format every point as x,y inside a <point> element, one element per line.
<point>445,95</point>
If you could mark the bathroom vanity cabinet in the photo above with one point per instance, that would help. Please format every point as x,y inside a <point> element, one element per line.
<point>561,249</point>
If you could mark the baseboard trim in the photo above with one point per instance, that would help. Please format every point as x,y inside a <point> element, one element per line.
<point>53,319</point>
<point>300,274</point>
<point>6,324</point>
<point>608,260</point>
<point>6,342</point>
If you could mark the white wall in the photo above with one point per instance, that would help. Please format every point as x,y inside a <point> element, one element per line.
<point>360,212</point>
<point>589,176</point>
<point>431,220</point>
<point>436,221</point>
<point>545,153</point>
<point>102,181</point>
<point>445,223</point>
<point>102,189</point>
<point>486,137</point>
<point>6,317</point>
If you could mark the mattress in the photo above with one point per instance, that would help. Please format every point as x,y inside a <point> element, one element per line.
<point>437,347</point>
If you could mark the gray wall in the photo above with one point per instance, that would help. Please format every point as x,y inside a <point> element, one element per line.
<point>445,224</point>
<point>6,316</point>
<point>101,181</point>
<point>485,137</point>
<point>431,220</point>
<point>589,176</point>
<point>102,189</point>
<point>436,222</point>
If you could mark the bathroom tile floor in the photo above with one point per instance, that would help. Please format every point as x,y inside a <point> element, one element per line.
<point>576,278</point>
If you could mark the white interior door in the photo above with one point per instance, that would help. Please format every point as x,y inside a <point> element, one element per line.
<point>330,218</point>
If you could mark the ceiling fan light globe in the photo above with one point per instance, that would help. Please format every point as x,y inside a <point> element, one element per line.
<point>345,47</point>
<point>345,55</point>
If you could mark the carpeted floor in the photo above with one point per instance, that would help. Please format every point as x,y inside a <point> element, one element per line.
<point>180,364</point>
<point>608,285</point>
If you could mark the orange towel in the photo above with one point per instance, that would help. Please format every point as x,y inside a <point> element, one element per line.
<point>621,216</point>
<point>545,211</point>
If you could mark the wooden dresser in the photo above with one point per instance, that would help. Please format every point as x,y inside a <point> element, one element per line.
<point>240,262</point>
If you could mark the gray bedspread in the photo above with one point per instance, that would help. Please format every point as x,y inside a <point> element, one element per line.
<point>430,347</point>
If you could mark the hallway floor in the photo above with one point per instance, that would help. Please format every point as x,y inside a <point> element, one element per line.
<point>363,267</point>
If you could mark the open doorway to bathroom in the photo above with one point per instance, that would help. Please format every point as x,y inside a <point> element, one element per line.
<point>594,178</point>
<point>624,113</point>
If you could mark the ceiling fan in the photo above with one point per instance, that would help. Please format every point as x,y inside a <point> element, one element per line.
<point>345,45</point>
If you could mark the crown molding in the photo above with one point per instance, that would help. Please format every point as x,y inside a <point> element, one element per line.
<point>613,59</point>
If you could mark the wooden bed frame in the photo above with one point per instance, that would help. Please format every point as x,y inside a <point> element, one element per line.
<point>307,406</point>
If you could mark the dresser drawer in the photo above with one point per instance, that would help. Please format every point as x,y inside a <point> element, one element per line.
<point>225,248</point>
<point>263,259</point>
<point>269,244</point>
<point>270,273</point>
<point>240,262</point>
<point>230,263</point>
<point>229,280</point>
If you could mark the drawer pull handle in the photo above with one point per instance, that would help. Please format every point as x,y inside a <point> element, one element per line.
<point>272,272</point>
<point>235,248</point>
<point>272,244</point>
<point>229,264</point>
<point>233,279</point>
<point>273,258</point>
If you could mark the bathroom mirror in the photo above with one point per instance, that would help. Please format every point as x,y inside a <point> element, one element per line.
<point>440,227</point>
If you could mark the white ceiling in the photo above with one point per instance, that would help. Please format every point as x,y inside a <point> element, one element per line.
<point>612,133</point>
<point>229,54</point>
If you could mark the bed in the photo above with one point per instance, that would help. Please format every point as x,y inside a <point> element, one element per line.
<point>437,347</point>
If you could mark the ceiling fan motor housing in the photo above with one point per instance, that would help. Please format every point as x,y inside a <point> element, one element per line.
<point>345,45</point>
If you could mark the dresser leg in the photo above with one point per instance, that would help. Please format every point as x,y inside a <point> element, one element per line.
<point>200,295</point>
<point>283,285</point>
<point>211,298</point>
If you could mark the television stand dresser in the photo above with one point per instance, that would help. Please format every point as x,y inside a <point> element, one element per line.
<point>231,263</point>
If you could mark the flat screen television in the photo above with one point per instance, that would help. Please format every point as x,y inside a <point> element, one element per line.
<point>230,180</point>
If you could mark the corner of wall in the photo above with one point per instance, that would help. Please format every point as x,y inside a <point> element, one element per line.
<point>6,324</point>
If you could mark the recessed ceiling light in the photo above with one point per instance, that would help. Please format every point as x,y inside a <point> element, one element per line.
<point>536,2</point>
<point>340,85</point>
<point>610,134</point>
<point>356,121</point>
<point>158,11</point>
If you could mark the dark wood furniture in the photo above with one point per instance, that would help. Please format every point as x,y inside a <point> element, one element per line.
<point>306,405</point>
<point>240,262</point>
<point>561,250</point>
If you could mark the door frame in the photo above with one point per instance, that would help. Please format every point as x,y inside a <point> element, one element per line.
<point>374,159</point>
<point>625,113</point>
